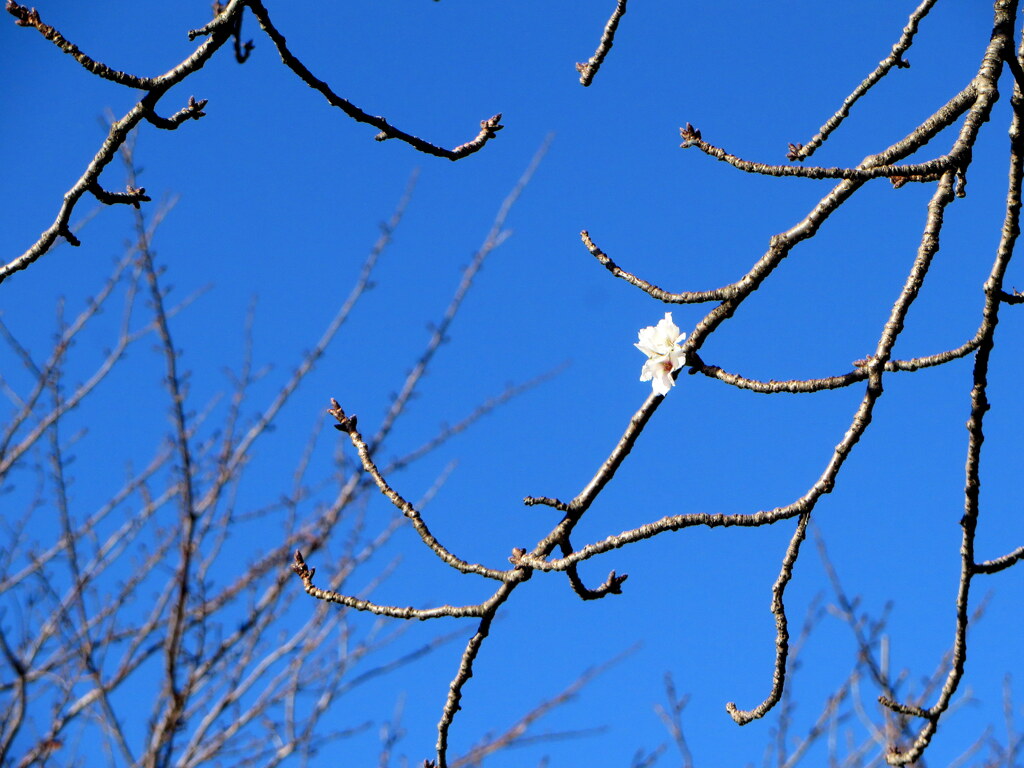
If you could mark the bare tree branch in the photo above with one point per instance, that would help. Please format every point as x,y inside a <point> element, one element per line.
<point>589,69</point>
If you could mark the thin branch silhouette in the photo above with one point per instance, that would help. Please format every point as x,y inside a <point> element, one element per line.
<point>962,118</point>
<point>225,26</point>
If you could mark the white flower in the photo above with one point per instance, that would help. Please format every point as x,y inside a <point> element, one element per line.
<point>664,356</point>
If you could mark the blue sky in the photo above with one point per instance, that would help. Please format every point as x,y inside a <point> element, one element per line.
<point>278,198</point>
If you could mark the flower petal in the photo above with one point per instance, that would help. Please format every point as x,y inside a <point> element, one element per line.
<point>664,356</point>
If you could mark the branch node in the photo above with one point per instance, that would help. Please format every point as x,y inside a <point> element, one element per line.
<point>68,235</point>
<point>191,111</point>
<point>218,19</point>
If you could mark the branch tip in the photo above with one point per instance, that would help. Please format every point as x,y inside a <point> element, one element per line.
<point>491,125</point>
<point>531,501</point>
<point>132,196</point>
<point>24,17</point>
<point>68,235</point>
<point>345,423</point>
<point>614,583</point>
<point>905,709</point>
<point>689,135</point>
<point>300,569</point>
<point>588,69</point>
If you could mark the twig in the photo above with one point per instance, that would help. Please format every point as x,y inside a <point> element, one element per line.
<point>894,59</point>
<point>998,50</point>
<point>488,127</point>
<point>589,68</point>
<point>347,424</point>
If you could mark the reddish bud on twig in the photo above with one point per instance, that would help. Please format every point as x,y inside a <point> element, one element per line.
<point>690,135</point>
<point>345,423</point>
<point>26,17</point>
<point>300,569</point>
